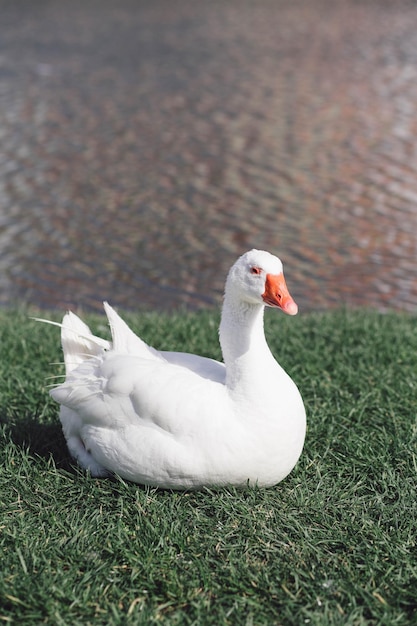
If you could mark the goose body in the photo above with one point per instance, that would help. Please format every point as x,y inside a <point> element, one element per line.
<point>178,420</point>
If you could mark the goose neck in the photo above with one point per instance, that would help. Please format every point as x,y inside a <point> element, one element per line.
<point>242,337</point>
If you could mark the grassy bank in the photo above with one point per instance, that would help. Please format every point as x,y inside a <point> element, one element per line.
<point>335,543</point>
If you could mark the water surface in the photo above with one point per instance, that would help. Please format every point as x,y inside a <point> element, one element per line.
<point>145,145</point>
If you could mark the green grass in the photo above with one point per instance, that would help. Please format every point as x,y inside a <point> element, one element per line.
<point>335,543</point>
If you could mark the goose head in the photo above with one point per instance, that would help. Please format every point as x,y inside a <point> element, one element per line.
<point>257,278</point>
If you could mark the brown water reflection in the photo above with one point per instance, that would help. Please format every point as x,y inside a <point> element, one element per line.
<point>144,146</point>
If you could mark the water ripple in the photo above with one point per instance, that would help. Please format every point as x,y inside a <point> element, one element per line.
<point>144,146</point>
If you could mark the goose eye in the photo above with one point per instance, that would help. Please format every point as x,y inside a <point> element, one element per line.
<point>255,270</point>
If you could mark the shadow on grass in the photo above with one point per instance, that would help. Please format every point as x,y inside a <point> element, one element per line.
<point>42,440</point>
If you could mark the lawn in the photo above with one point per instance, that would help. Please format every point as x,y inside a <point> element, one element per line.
<point>335,543</point>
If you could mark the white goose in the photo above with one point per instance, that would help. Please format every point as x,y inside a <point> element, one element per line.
<point>178,420</point>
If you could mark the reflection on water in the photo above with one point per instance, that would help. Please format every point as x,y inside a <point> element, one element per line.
<point>145,146</point>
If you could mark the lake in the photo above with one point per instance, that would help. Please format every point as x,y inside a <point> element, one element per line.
<point>146,145</point>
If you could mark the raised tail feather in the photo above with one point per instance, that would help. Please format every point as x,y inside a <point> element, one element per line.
<point>78,342</point>
<point>124,339</point>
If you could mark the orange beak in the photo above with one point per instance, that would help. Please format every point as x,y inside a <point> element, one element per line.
<point>276,294</point>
